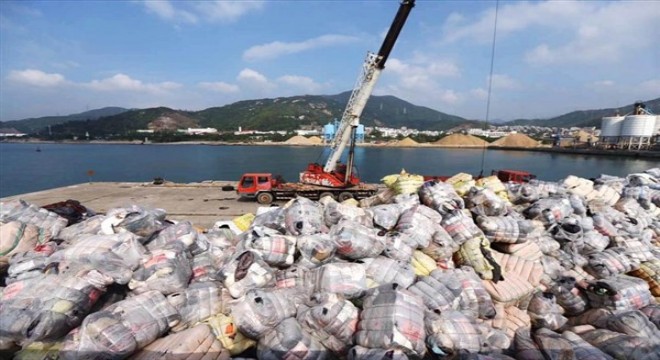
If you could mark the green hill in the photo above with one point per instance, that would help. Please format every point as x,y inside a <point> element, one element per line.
<point>33,125</point>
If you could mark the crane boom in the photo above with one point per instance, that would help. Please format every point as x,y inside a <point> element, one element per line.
<point>371,69</point>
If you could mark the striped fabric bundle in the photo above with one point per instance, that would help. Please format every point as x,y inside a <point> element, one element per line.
<point>532,271</point>
<point>650,272</point>
<point>509,229</point>
<point>23,212</point>
<point>303,216</point>
<point>634,323</point>
<point>621,346</point>
<point>347,279</point>
<point>582,349</point>
<point>315,250</point>
<point>418,226</point>
<point>140,221</point>
<point>438,290</point>
<point>334,212</point>
<point>610,262</point>
<point>331,319</point>
<point>653,313</point>
<point>397,246</point>
<point>122,328</point>
<point>510,291</point>
<point>461,227</point>
<point>549,210</point>
<point>260,310</point>
<point>441,246</point>
<point>386,216</point>
<point>363,353</point>
<point>476,254</point>
<point>383,270</point>
<point>186,345</point>
<point>486,202</point>
<point>604,226</point>
<point>636,249</point>
<point>509,319</point>
<point>244,272</point>
<point>17,237</point>
<point>182,232</point>
<point>620,292</point>
<point>33,263</point>
<point>544,311</point>
<point>553,345</point>
<point>529,250</point>
<point>289,341</point>
<point>422,264</point>
<point>197,303</point>
<point>392,317</point>
<point>569,296</point>
<point>474,299</point>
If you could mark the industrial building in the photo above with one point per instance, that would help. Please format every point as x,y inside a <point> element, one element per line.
<point>636,131</point>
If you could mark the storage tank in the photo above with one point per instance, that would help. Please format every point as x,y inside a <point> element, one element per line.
<point>359,133</point>
<point>638,125</point>
<point>610,126</point>
<point>328,131</point>
<point>657,125</point>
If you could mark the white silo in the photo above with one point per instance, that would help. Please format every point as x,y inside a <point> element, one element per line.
<point>610,128</point>
<point>638,125</point>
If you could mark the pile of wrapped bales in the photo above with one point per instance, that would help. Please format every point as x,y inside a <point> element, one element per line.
<point>541,270</point>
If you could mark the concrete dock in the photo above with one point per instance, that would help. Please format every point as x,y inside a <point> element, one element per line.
<point>201,203</point>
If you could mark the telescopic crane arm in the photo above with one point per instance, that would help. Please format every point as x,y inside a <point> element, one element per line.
<point>371,69</point>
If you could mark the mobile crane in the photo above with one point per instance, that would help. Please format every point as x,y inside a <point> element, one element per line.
<point>334,179</point>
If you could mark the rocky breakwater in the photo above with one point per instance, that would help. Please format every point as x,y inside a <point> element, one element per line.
<point>462,269</point>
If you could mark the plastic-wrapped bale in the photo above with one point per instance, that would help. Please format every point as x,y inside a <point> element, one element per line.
<point>610,262</point>
<point>17,237</point>
<point>544,311</point>
<point>511,290</point>
<point>451,331</point>
<point>392,318</point>
<point>315,250</point>
<point>605,194</point>
<point>635,323</point>
<point>275,250</point>
<point>646,196</point>
<point>295,277</point>
<point>653,313</point>
<point>135,219</point>
<point>569,296</point>
<point>582,349</point>
<point>532,271</point>
<point>509,320</point>
<point>182,232</point>
<point>90,225</point>
<point>528,250</point>
<point>274,218</point>
<point>578,205</point>
<point>303,217</point>
<point>48,307</point>
<point>261,310</point>
<point>195,343</point>
<point>486,202</point>
<point>621,346</point>
<point>24,212</point>
<point>493,183</point>
<point>418,226</point>
<point>476,254</point>
<point>604,226</point>
<point>549,210</point>
<point>552,344</point>
<point>198,302</point>
<point>441,197</point>
<point>438,290</point>
<point>37,351</point>
<point>363,353</point>
<point>637,249</point>
<point>521,193</point>
<point>382,197</point>
<point>227,333</point>
<point>620,292</point>
<point>289,341</point>
<point>407,183</point>
<point>356,241</point>
<point>116,255</point>
<point>422,264</point>
<point>442,246</point>
<point>30,264</point>
<point>461,227</point>
<point>122,328</point>
<point>204,267</point>
<point>594,242</point>
<point>382,270</point>
<point>507,229</point>
<point>346,279</point>
<point>334,212</point>
<point>525,347</point>
<point>569,233</point>
<point>244,272</point>
<point>332,320</point>
<point>462,183</point>
<point>474,299</point>
<point>579,186</point>
<point>397,246</point>
<point>650,272</point>
<point>167,270</point>
<point>386,216</point>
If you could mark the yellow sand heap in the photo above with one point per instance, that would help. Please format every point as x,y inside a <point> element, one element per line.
<point>516,140</point>
<point>406,142</point>
<point>299,140</point>
<point>461,140</point>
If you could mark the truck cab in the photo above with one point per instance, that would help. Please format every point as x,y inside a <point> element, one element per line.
<point>251,184</point>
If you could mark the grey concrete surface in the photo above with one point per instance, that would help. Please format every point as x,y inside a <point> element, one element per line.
<point>201,203</point>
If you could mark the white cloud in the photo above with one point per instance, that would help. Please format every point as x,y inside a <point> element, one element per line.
<point>603,83</point>
<point>302,83</point>
<point>505,82</point>
<point>479,93</point>
<point>277,48</point>
<point>166,11</point>
<point>36,78</point>
<point>255,81</point>
<point>227,11</point>
<point>219,86</point>
<point>122,82</point>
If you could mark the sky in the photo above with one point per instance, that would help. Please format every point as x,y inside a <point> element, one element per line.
<point>551,57</point>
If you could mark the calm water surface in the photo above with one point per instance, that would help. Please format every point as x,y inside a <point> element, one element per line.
<point>23,169</point>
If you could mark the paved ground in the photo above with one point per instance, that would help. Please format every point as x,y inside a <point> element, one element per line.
<point>201,203</point>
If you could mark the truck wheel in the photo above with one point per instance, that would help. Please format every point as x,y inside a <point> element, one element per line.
<point>265,198</point>
<point>324,194</point>
<point>344,196</point>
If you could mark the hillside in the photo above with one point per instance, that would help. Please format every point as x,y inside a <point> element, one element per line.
<point>585,118</point>
<point>32,125</point>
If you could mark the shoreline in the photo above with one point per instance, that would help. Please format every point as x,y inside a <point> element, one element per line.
<point>648,154</point>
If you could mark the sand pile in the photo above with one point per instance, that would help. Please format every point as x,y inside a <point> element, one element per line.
<point>406,142</point>
<point>516,140</point>
<point>299,140</point>
<point>315,140</point>
<point>461,140</point>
